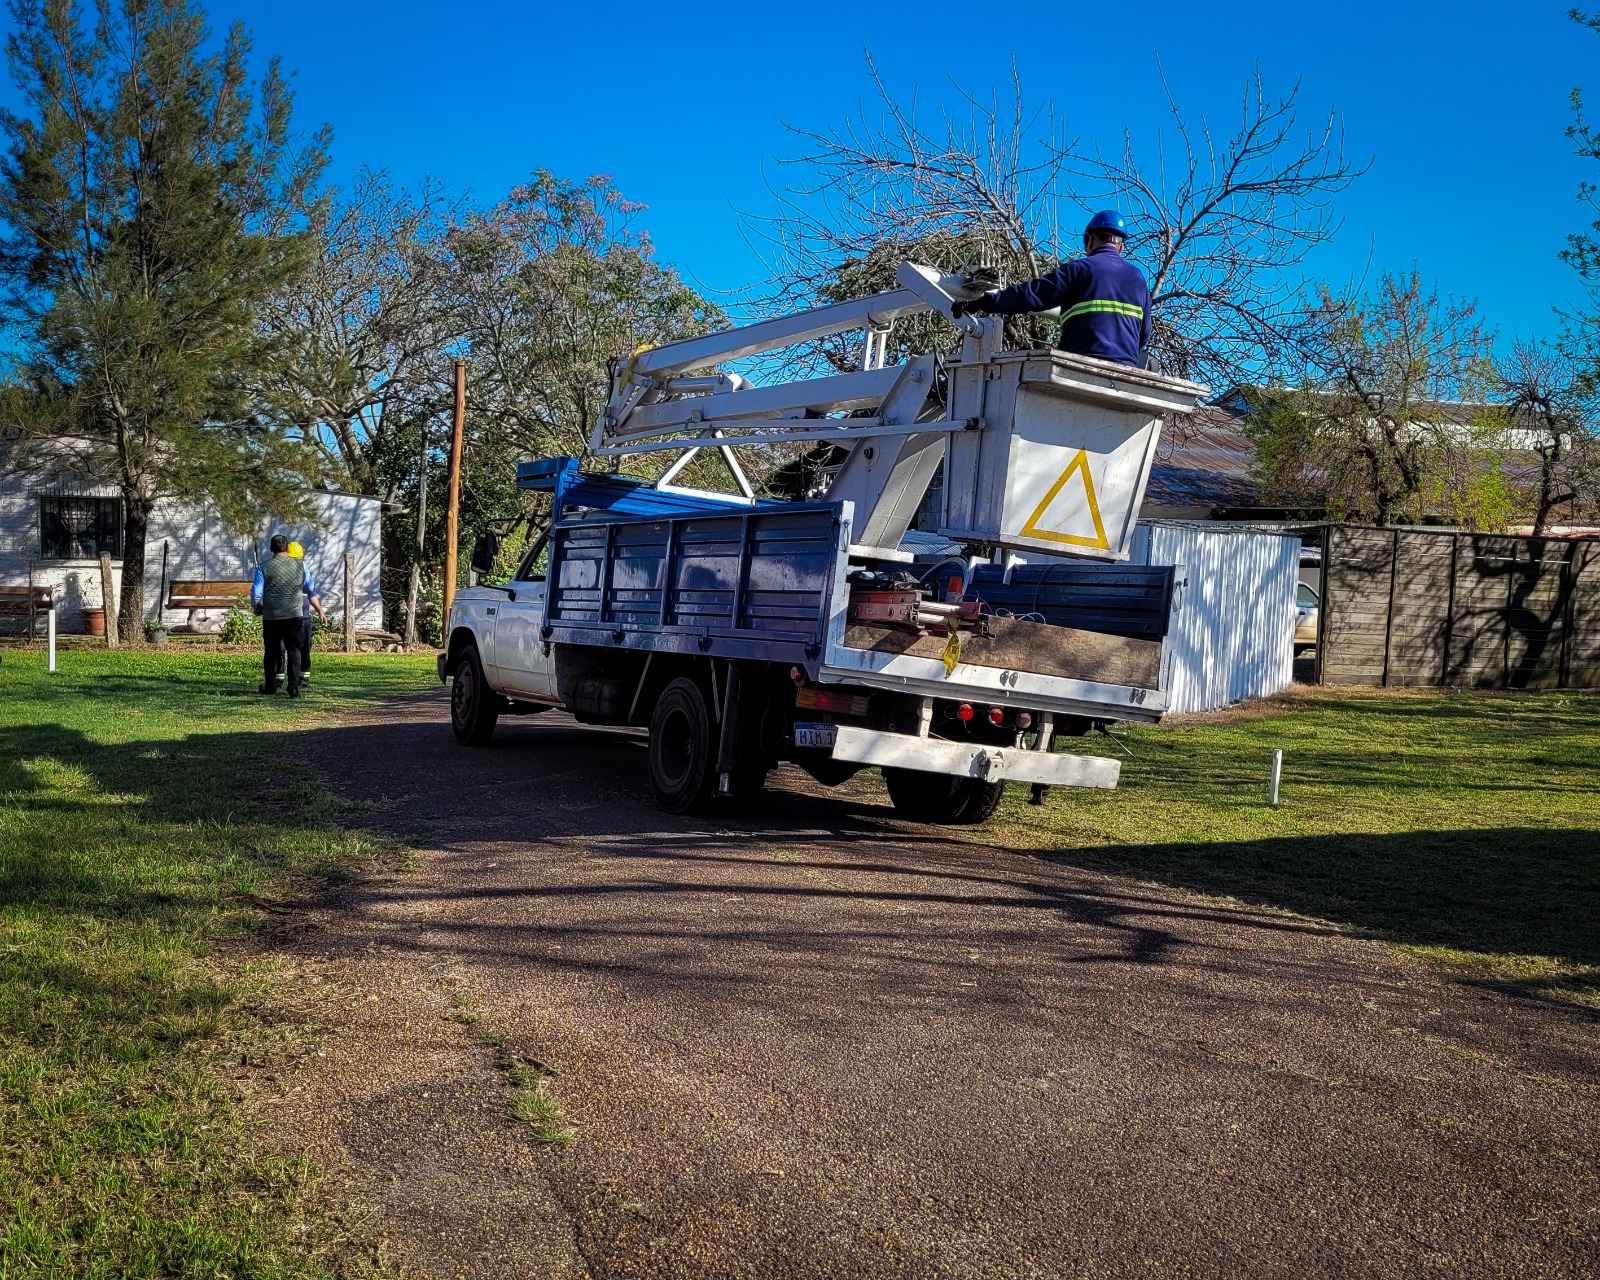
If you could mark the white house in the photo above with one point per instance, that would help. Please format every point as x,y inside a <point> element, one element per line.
<point>56,519</point>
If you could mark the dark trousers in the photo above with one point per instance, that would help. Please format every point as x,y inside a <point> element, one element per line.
<point>281,639</point>
<point>305,643</point>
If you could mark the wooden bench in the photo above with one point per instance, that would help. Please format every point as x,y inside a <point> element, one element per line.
<point>25,602</point>
<point>207,595</point>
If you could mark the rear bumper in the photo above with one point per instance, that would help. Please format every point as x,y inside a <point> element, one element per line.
<point>972,760</point>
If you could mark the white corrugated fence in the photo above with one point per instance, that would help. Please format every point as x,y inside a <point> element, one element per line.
<point>1233,611</point>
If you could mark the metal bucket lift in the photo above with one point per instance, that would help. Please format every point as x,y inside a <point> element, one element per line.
<point>1043,451</point>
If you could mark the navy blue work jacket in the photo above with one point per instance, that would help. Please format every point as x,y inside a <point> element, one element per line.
<point>1104,301</point>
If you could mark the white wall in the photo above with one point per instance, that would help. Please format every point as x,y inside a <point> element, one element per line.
<point>199,545</point>
<point>1233,613</point>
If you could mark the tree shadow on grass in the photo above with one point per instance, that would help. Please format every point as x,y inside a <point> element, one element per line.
<point>118,863</point>
<point>1514,891</point>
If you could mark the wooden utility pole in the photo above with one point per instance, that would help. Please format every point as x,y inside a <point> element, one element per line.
<point>452,512</point>
<point>108,594</point>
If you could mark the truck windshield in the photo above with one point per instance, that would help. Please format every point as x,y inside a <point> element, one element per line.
<point>536,560</point>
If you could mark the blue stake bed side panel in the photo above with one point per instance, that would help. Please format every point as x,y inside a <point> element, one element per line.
<point>1121,600</point>
<point>754,583</point>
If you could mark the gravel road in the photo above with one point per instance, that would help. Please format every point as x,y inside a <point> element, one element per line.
<point>818,1041</point>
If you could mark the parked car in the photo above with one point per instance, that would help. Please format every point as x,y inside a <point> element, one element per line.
<point>1306,606</point>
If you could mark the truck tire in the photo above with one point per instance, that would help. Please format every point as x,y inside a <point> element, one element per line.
<point>985,799</point>
<point>682,748</point>
<point>474,706</point>
<point>941,797</point>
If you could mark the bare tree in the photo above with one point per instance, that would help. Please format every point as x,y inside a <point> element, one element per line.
<point>998,184</point>
<point>1222,243</point>
<point>979,188</point>
<point>363,333</point>
<point>1550,412</point>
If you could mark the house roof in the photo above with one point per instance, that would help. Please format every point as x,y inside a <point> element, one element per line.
<point>1205,462</point>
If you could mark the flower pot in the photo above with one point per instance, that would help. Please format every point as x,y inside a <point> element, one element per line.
<point>94,622</point>
<point>158,636</point>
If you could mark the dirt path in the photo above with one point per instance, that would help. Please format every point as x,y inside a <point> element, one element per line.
<point>819,1041</point>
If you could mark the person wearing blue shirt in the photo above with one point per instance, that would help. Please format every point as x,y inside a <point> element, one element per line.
<point>1104,300</point>
<point>276,646</point>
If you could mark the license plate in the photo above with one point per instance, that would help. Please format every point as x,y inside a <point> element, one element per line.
<point>813,735</point>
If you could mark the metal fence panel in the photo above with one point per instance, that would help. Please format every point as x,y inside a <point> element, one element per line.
<point>1233,613</point>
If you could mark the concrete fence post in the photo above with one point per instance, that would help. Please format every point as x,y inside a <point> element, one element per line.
<point>108,597</point>
<point>349,602</point>
<point>50,636</point>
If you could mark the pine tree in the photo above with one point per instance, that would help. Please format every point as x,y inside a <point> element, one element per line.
<point>150,198</point>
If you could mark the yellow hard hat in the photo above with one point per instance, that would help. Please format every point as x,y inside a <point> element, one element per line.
<point>296,551</point>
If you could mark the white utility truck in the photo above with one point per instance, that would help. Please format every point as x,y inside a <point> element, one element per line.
<point>745,631</point>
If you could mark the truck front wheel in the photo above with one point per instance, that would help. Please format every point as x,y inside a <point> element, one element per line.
<point>474,706</point>
<point>940,797</point>
<point>682,746</point>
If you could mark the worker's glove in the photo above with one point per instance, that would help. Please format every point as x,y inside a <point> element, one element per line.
<point>979,306</point>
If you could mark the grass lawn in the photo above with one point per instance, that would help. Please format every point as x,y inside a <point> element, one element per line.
<point>145,797</point>
<point>1463,827</point>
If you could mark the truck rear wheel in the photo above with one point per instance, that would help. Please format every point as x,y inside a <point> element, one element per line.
<point>682,748</point>
<point>941,797</point>
<point>474,706</point>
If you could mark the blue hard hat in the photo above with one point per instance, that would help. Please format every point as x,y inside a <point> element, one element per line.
<point>1106,220</point>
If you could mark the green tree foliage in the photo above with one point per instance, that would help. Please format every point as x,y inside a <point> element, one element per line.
<point>1387,423</point>
<point>146,197</point>
<point>539,294</point>
<point>552,285</point>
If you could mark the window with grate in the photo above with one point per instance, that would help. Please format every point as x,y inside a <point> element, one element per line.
<point>79,528</point>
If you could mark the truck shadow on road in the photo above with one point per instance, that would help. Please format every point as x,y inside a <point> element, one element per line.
<point>555,798</point>
<point>545,848</point>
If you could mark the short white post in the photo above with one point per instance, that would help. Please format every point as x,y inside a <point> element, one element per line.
<point>1277,772</point>
<point>50,637</point>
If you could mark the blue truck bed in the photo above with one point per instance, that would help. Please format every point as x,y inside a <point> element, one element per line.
<point>632,567</point>
<point>754,584</point>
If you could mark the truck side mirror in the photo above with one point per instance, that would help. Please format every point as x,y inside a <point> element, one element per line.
<point>484,550</point>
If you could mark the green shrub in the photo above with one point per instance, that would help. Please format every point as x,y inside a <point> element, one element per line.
<point>240,626</point>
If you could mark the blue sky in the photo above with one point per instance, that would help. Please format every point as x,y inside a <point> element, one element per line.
<point>1459,106</point>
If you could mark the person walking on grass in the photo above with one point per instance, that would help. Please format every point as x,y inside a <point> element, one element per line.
<point>308,602</point>
<point>279,588</point>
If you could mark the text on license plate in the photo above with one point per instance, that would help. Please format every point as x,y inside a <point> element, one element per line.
<point>813,735</point>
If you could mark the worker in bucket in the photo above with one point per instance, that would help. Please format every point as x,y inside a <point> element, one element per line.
<point>309,601</point>
<point>1104,300</point>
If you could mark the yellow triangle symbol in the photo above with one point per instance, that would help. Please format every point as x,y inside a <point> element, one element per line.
<point>1079,465</point>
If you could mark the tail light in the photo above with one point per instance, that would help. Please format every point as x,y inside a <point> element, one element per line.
<point>997,715</point>
<point>848,704</point>
<point>1024,720</point>
<point>964,711</point>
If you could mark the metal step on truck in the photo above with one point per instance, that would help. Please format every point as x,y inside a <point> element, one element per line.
<point>745,631</point>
